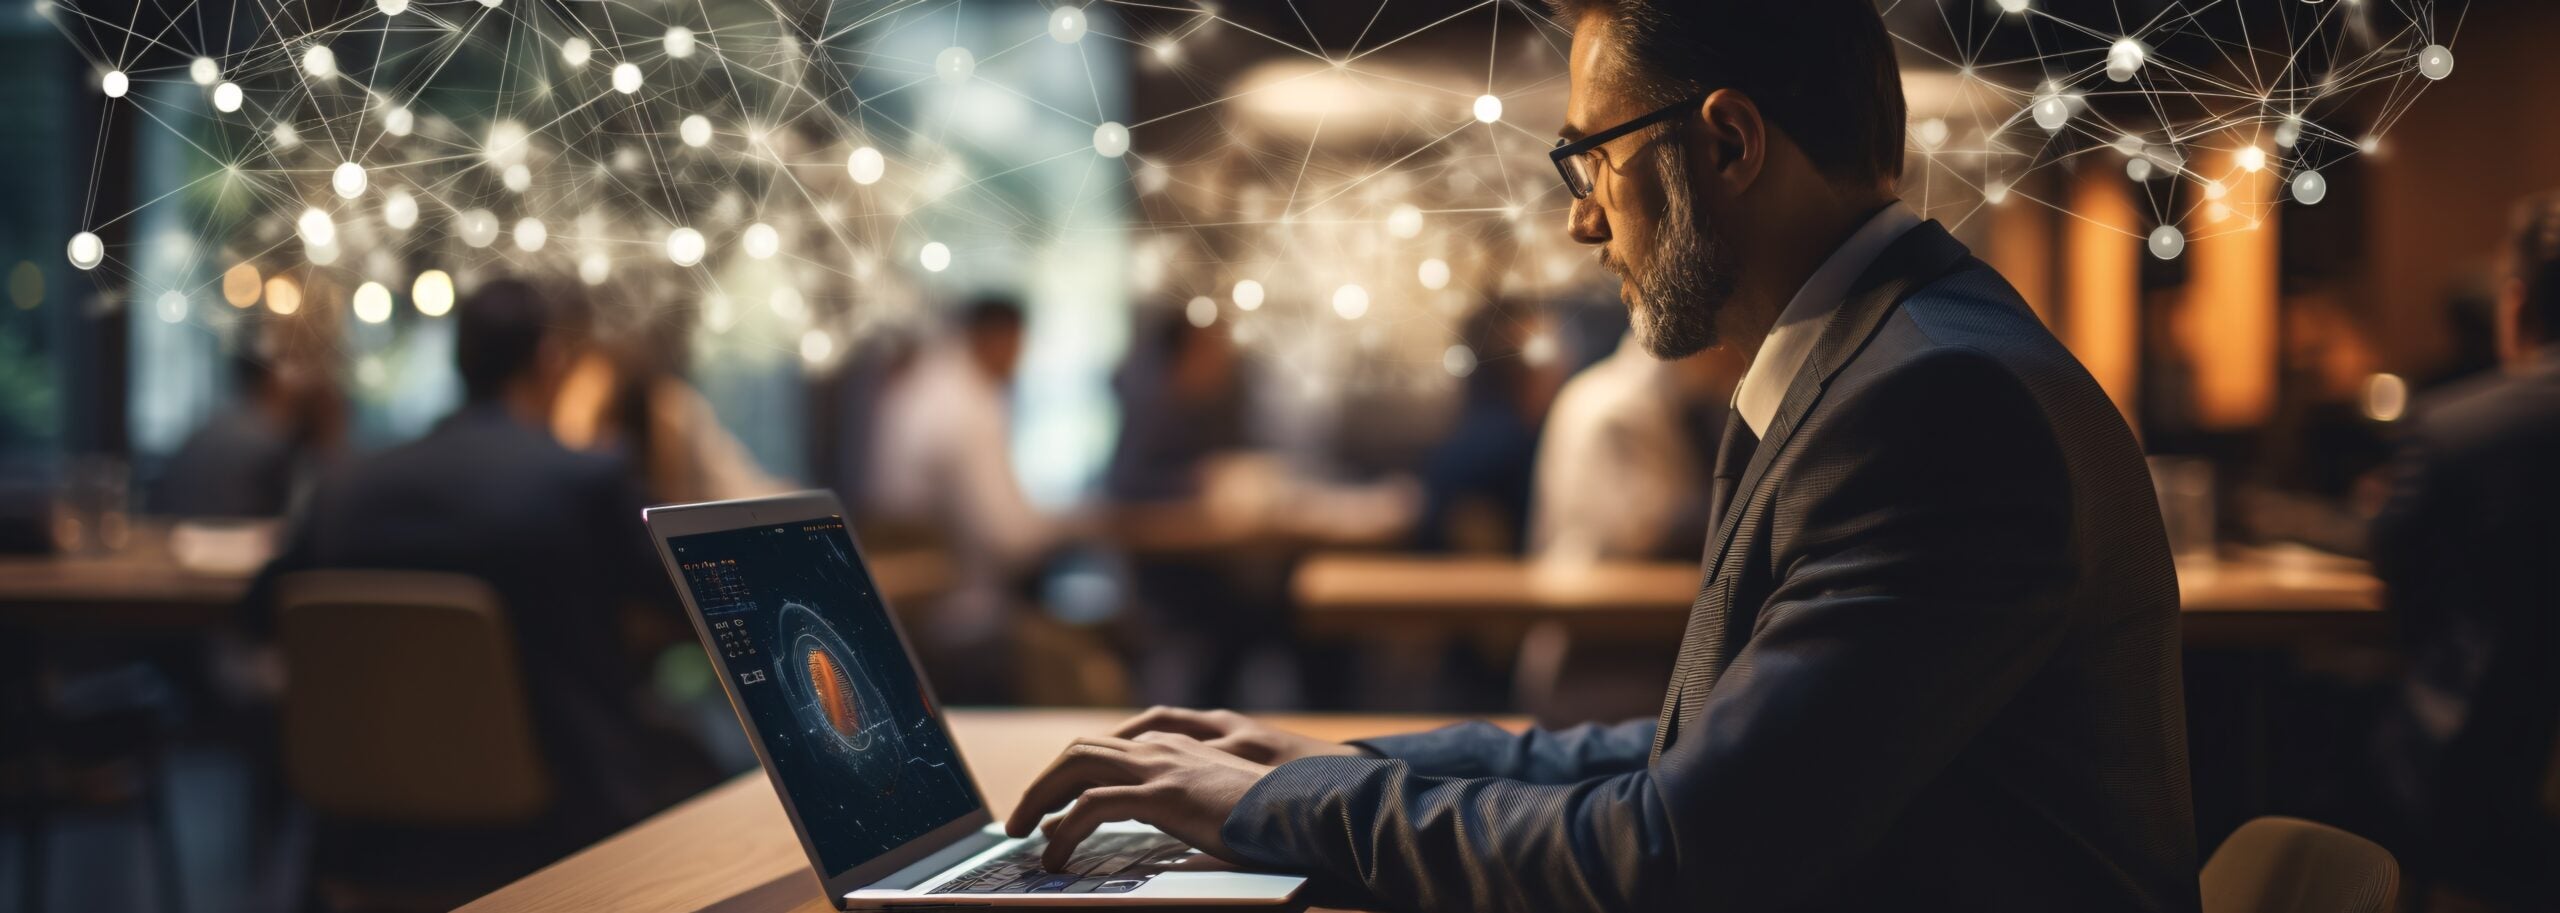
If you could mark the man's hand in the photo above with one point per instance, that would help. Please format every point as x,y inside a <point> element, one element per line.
<point>1233,733</point>
<point>1183,787</point>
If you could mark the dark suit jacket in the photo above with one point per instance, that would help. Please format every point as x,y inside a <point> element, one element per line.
<point>557,534</point>
<point>1933,665</point>
<point>2469,548</point>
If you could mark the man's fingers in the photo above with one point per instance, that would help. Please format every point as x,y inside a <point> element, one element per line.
<point>1094,809</point>
<point>1087,763</point>
<point>1198,724</point>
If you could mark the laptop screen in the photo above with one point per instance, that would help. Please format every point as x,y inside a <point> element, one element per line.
<point>800,630</point>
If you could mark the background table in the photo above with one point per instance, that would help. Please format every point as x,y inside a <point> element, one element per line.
<point>730,850</point>
<point>2253,597</point>
<point>140,587</point>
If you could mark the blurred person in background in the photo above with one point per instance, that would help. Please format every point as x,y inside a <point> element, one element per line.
<point>285,419</point>
<point>1476,482</point>
<point>630,397</point>
<point>942,467</point>
<point>489,493</point>
<point>1621,467</point>
<point>2468,547</point>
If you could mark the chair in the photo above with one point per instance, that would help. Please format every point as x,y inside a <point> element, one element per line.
<point>409,734</point>
<point>405,703</point>
<point>2288,865</point>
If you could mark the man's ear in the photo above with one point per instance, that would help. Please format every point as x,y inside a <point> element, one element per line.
<point>1733,140</point>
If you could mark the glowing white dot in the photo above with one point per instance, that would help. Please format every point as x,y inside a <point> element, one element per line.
<point>679,42</point>
<point>1434,274</point>
<point>594,269</point>
<point>204,71</point>
<point>1248,295</point>
<point>866,165</point>
<point>1350,301</point>
<point>1932,133</point>
<point>1540,349</point>
<point>2125,58</point>
<point>321,254</point>
<point>2051,111</point>
<point>284,136</point>
<point>2369,145</point>
<point>1066,25</point>
<point>2309,188</point>
<point>1153,178</point>
<point>1111,139</point>
<point>1488,108</point>
<point>399,210</point>
<point>283,297</point>
<point>1167,51</point>
<point>1458,360</point>
<point>226,98</point>
<point>114,83</point>
<point>2251,159</point>
<point>2289,133</point>
<point>626,78</point>
<point>391,7</point>
<point>2435,61</point>
<point>172,306</point>
<point>399,121</point>
<point>2138,169</point>
<point>935,256</point>
<point>2167,241</point>
<point>432,293</point>
<point>372,303</point>
<point>684,247</point>
<point>320,62</point>
<point>2217,213</point>
<point>816,346</point>
<point>478,227</point>
<point>576,52</point>
<point>761,241</point>
<point>2215,190</point>
<point>1995,192</point>
<point>786,302</point>
<point>86,250</point>
<point>2013,6</point>
<point>316,228</point>
<point>696,130</point>
<point>717,314</point>
<point>348,180</point>
<point>1404,221</point>
<point>517,178</point>
<point>955,64</point>
<point>1202,311</point>
<point>531,234</point>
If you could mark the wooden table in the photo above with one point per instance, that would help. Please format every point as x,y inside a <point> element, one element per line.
<point>2252,597</point>
<point>730,850</point>
<point>140,587</point>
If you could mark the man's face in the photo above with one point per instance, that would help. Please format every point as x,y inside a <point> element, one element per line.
<point>1643,211</point>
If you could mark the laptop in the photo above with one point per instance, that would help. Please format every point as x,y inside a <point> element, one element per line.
<point>846,726</point>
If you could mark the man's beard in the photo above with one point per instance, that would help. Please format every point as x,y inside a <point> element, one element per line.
<point>1687,279</point>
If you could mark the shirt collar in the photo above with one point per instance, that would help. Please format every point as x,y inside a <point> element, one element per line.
<point>1799,326</point>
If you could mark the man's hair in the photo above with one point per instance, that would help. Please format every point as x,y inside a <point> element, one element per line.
<point>498,332</point>
<point>2536,240</point>
<point>991,312</point>
<point>1821,71</point>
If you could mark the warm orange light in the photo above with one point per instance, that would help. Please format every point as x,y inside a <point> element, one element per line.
<point>2102,284</point>
<point>2230,303</point>
<point>240,285</point>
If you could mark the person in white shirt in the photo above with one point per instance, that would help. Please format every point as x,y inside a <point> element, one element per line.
<point>1622,465</point>
<point>942,460</point>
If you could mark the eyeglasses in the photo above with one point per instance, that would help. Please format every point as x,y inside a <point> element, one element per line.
<point>1580,161</point>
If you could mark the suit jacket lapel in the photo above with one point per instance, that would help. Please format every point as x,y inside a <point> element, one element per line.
<point>1919,257</point>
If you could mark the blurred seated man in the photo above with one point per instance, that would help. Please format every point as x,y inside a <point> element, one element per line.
<point>250,459</point>
<point>943,462</point>
<point>2469,548</point>
<point>488,493</point>
<point>1620,466</point>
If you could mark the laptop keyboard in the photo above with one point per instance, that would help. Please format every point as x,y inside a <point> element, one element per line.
<point>1103,864</point>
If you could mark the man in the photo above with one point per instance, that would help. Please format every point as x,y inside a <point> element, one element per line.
<point>489,493</point>
<point>1933,663</point>
<point>2465,546</point>
<point>942,461</point>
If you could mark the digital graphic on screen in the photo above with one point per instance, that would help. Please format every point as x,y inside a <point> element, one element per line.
<point>801,632</point>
